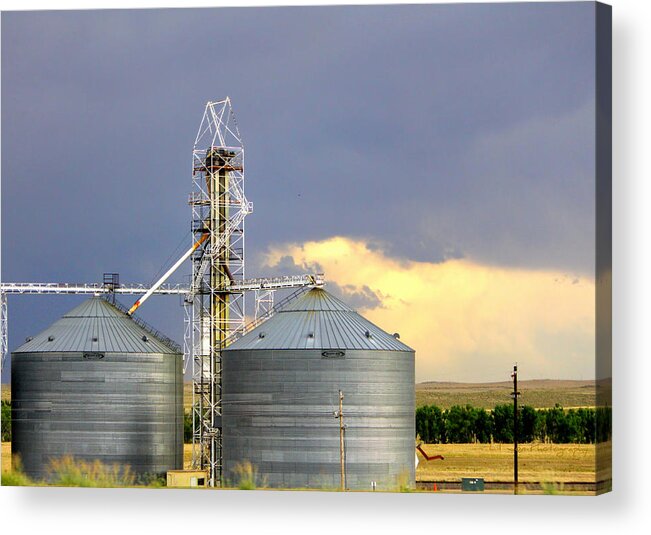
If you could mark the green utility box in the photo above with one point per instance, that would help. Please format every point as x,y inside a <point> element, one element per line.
<point>475,484</point>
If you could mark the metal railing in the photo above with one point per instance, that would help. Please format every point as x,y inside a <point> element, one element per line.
<point>144,325</point>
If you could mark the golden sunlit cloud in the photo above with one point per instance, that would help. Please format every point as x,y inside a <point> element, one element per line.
<point>467,321</point>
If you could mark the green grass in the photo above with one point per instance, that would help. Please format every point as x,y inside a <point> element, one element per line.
<point>403,484</point>
<point>550,487</point>
<point>70,472</point>
<point>247,477</point>
<point>14,476</point>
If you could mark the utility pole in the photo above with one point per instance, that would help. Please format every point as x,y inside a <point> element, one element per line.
<point>515,395</point>
<point>342,454</point>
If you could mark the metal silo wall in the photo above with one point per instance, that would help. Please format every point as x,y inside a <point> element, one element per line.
<point>278,414</point>
<point>124,408</point>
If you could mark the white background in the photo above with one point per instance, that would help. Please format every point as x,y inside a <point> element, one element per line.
<point>626,509</point>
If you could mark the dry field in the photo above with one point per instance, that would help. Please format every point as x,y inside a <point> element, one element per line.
<point>187,456</point>
<point>6,456</point>
<point>536,393</point>
<point>187,395</point>
<point>494,462</point>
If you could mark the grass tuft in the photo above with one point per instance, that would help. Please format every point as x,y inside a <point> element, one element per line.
<point>15,477</point>
<point>247,476</point>
<point>403,483</point>
<point>552,487</point>
<point>70,472</point>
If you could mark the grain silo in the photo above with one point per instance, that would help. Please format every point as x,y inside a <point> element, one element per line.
<point>98,385</point>
<point>281,384</point>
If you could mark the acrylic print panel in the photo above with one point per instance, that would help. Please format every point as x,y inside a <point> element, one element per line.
<point>423,302</point>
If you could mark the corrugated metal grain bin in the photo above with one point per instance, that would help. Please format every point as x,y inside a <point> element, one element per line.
<point>280,394</point>
<point>96,385</point>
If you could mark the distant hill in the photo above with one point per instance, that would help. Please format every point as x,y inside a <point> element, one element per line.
<point>539,393</point>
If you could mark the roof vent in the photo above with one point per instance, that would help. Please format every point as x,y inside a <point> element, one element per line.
<point>95,339</point>
<point>396,336</point>
<point>262,335</point>
<point>310,335</point>
<point>29,339</point>
<point>144,338</point>
<point>50,338</point>
<point>367,334</point>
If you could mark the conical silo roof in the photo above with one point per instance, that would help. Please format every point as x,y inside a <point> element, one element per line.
<point>97,326</point>
<point>318,320</point>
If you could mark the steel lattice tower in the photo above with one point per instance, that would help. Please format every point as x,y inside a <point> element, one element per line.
<point>215,310</point>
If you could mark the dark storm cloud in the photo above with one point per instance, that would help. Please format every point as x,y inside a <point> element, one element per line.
<point>356,298</point>
<point>442,131</point>
<point>286,265</point>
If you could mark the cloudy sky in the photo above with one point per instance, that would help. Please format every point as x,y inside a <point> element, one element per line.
<point>437,162</point>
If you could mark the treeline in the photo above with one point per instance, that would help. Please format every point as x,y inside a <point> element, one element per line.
<point>460,425</point>
<point>5,421</point>
<point>187,427</point>
<point>468,424</point>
